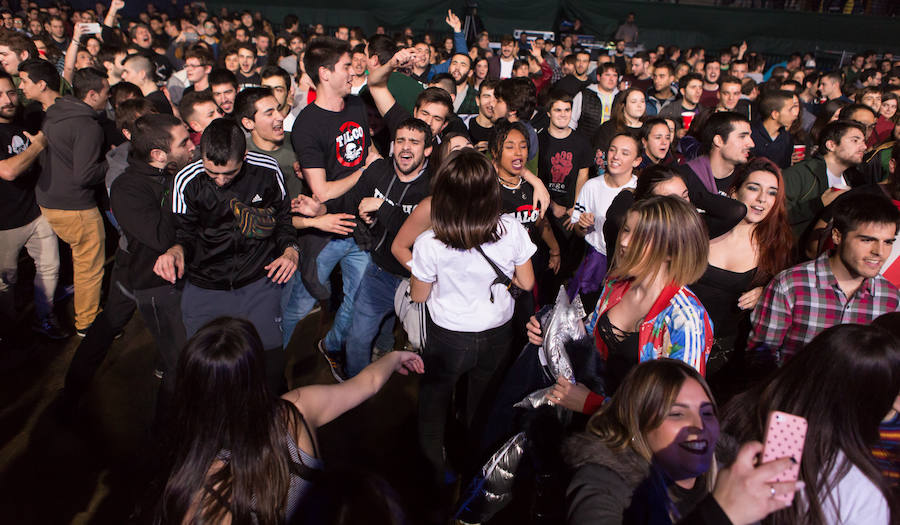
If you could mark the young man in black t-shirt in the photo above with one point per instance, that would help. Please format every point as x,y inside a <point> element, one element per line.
<point>481,124</point>
<point>332,142</point>
<point>21,222</point>
<point>385,195</point>
<point>564,158</point>
<point>564,161</point>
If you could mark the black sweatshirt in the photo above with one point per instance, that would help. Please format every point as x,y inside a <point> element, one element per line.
<point>72,163</point>
<point>142,204</point>
<point>380,180</point>
<point>217,254</point>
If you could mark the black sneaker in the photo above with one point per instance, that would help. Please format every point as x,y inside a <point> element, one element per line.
<point>50,328</point>
<point>334,365</point>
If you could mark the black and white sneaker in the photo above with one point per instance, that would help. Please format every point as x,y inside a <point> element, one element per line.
<point>334,364</point>
<point>50,328</point>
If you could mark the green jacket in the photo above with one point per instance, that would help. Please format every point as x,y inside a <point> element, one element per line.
<point>804,184</point>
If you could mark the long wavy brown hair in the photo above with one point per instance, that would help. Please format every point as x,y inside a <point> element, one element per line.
<point>773,237</point>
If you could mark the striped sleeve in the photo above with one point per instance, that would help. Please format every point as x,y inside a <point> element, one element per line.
<point>265,161</point>
<point>182,178</point>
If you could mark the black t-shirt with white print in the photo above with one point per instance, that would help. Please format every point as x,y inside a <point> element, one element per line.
<point>337,141</point>
<point>519,201</point>
<point>17,203</point>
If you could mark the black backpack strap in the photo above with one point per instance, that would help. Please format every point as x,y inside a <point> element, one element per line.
<point>502,278</point>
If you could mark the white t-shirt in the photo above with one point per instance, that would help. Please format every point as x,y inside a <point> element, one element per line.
<point>836,181</point>
<point>595,197</point>
<point>460,297</point>
<point>855,499</point>
<point>506,68</point>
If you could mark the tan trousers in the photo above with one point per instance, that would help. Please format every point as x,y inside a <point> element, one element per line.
<point>83,231</point>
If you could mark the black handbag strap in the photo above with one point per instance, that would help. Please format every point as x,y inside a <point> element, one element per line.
<point>502,278</point>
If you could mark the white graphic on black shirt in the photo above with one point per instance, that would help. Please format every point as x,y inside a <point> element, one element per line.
<point>350,145</point>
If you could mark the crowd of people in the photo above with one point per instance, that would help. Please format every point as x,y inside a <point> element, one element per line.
<point>727,223</point>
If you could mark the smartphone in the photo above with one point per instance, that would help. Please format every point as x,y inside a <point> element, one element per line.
<point>785,437</point>
<point>90,28</point>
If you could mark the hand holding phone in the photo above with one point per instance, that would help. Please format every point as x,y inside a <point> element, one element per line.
<point>785,437</point>
<point>92,28</point>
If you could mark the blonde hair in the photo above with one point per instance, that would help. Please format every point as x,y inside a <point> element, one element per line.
<point>669,233</point>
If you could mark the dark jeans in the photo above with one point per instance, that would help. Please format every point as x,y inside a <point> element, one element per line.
<point>374,302</point>
<point>93,348</point>
<point>258,302</point>
<point>450,356</point>
<point>161,310</point>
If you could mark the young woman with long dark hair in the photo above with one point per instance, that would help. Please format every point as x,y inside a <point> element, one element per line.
<point>240,453</point>
<point>844,382</point>
<point>746,258</point>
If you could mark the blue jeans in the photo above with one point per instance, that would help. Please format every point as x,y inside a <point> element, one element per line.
<point>374,302</point>
<point>296,302</point>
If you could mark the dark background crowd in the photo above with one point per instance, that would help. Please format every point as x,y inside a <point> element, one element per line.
<point>303,210</point>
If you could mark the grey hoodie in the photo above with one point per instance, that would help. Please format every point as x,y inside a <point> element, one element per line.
<point>72,163</point>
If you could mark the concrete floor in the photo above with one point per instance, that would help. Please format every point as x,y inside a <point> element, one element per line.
<point>52,473</point>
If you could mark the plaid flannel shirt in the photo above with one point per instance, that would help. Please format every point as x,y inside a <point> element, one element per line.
<point>803,300</point>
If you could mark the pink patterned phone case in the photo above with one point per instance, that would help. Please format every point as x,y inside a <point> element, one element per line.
<point>785,437</point>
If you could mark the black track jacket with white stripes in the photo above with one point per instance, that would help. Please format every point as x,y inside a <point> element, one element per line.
<point>217,255</point>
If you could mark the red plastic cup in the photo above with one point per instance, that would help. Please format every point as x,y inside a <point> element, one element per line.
<point>686,118</point>
<point>800,151</point>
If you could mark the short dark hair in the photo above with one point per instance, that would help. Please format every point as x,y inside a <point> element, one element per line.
<point>833,75</point>
<point>121,91</point>
<point>223,141</point>
<point>5,75</point>
<point>87,79</point>
<point>129,110</point>
<point>247,46</point>
<point>190,101</point>
<point>289,20</point>
<point>867,74</point>
<point>245,103</point>
<point>665,64</point>
<point>488,83</point>
<point>558,95</point>
<point>850,109</point>
<point>383,47</point>
<point>856,209</point>
<point>415,124</point>
<point>276,71</point>
<point>720,124</point>
<point>835,131</point>
<point>651,123</point>
<point>602,68</point>
<point>18,43</point>
<point>222,76</point>
<point>323,51</point>
<point>729,79</point>
<point>506,39</point>
<point>519,95</point>
<point>773,101</point>
<point>152,131</point>
<point>434,95</point>
<point>39,69</point>
<point>685,80</point>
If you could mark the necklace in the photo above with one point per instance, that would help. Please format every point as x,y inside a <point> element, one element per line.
<point>510,185</point>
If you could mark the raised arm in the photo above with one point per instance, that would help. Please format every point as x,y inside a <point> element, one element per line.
<point>72,53</point>
<point>320,404</point>
<point>114,7</point>
<point>378,79</point>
